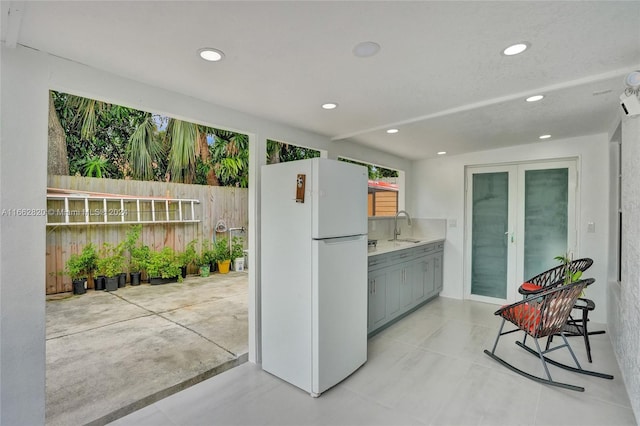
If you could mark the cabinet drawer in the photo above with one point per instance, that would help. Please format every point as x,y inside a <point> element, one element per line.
<point>426,249</point>
<point>401,256</point>
<point>377,262</point>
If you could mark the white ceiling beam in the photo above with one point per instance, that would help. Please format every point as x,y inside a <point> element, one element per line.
<point>515,96</point>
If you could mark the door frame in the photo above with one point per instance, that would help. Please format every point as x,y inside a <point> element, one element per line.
<point>515,251</point>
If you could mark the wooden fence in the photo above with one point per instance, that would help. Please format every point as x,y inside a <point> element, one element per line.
<point>216,203</point>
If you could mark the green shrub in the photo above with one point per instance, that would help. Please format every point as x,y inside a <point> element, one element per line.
<point>164,264</point>
<point>111,260</point>
<point>237,247</point>
<point>221,250</point>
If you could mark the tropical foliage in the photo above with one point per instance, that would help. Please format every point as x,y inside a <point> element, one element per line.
<point>113,141</point>
<point>375,172</point>
<point>280,152</point>
<point>97,134</point>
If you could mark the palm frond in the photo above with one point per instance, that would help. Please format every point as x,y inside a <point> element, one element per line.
<point>143,149</point>
<point>182,157</point>
<point>88,110</point>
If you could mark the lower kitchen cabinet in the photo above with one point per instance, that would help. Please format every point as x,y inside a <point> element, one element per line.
<point>377,299</point>
<point>423,278</point>
<point>437,270</point>
<point>402,280</point>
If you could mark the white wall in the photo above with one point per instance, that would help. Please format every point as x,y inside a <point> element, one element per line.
<point>438,191</point>
<point>23,182</point>
<point>27,75</point>
<point>624,297</point>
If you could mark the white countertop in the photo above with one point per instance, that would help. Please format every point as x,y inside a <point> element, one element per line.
<point>385,246</point>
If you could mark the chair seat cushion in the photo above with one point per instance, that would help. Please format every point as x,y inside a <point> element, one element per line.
<point>530,287</point>
<point>526,316</point>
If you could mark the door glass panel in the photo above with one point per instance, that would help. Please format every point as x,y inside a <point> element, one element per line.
<point>546,220</point>
<point>490,206</point>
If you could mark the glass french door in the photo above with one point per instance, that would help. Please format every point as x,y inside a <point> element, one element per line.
<point>518,218</point>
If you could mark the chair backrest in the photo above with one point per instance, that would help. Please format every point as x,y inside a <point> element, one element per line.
<point>556,275</point>
<point>547,312</point>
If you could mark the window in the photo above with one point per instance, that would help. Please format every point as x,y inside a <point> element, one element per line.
<point>281,152</point>
<point>383,189</point>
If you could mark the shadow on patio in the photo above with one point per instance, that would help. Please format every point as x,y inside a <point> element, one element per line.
<point>109,354</point>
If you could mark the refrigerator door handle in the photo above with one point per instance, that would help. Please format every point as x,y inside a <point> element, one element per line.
<point>340,240</point>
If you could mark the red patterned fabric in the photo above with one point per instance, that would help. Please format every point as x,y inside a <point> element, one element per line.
<point>530,287</point>
<point>526,316</point>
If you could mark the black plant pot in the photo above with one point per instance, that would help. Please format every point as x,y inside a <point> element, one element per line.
<point>78,286</point>
<point>111,283</point>
<point>122,279</point>
<point>213,266</point>
<point>135,278</point>
<point>160,280</point>
<point>183,271</point>
<point>99,282</point>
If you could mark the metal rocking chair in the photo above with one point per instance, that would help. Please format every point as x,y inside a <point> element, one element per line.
<point>542,316</point>
<point>553,276</point>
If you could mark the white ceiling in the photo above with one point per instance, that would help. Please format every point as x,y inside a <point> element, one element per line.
<point>440,77</point>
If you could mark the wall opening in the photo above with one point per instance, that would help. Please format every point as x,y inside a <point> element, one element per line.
<point>135,337</point>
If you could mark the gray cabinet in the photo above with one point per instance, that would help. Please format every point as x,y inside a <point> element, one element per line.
<point>402,280</point>
<point>377,299</point>
<point>423,278</point>
<point>437,271</point>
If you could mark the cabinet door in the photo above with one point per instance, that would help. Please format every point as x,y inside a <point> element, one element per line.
<point>377,299</point>
<point>421,269</point>
<point>406,286</point>
<point>429,279</point>
<point>395,276</point>
<point>437,271</point>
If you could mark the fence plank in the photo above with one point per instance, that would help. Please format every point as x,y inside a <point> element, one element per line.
<point>216,203</point>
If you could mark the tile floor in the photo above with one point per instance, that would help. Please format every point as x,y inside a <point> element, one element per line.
<point>427,369</point>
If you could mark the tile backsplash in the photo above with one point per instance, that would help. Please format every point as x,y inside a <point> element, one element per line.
<point>382,228</point>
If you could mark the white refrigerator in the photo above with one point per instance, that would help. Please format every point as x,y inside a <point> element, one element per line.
<point>313,271</point>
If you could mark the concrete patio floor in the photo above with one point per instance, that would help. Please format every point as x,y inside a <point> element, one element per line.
<point>111,353</point>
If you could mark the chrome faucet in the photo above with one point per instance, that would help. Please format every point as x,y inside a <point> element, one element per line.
<point>396,230</point>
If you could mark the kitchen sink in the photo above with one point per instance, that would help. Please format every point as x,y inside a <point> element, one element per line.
<point>406,240</point>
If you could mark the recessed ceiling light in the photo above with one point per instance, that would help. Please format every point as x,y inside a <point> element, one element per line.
<point>544,137</point>
<point>366,49</point>
<point>391,131</point>
<point>211,54</point>
<point>442,152</point>
<point>330,105</point>
<point>633,79</point>
<point>515,49</point>
<point>534,98</point>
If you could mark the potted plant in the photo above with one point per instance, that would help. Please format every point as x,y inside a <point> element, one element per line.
<point>110,265</point>
<point>208,256</point>
<point>137,263</point>
<point>189,257</point>
<point>237,253</point>
<point>163,266</point>
<point>204,262</point>
<point>222,255</point>
<point>80,268</point>
<point>138,254</point>
<point>75,269</point>
<point>569,275</point>
<point>122,276</point>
